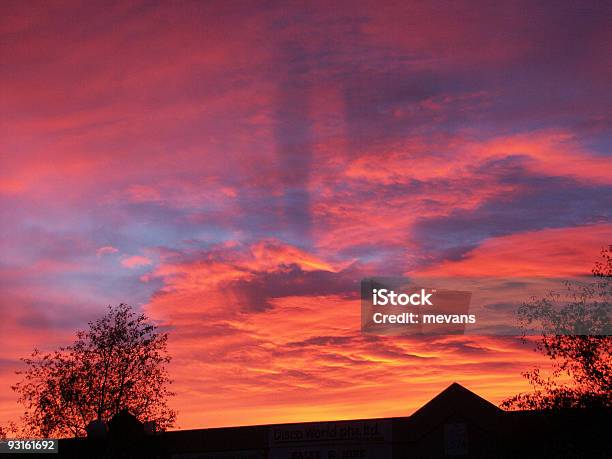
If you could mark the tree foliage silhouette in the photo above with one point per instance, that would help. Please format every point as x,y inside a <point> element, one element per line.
<point>118,363</point>
<point>575,328</point>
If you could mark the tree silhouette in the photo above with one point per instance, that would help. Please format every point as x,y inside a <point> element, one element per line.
<point>118,363</point>
<point>575,328</point>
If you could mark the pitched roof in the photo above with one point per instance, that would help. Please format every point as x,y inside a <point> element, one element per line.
<point>454,401</point>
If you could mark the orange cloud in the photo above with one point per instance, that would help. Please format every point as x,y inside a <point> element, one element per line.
<point>561,252</point>
<point>304,358</point>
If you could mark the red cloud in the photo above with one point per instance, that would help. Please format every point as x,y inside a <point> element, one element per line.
<point>562,252</point>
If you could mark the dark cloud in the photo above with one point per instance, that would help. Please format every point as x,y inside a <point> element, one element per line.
<point>323,341</point>
<point>255,293</point>
<point>540,202</point>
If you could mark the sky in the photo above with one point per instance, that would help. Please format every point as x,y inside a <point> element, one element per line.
<point>233,169</point>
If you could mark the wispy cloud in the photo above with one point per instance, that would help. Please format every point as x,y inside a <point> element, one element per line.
<point>106,250</point>
<point>135,261</point>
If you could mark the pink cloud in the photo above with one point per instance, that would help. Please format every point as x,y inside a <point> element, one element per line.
<point>135,261</point>
<point>106,250</point>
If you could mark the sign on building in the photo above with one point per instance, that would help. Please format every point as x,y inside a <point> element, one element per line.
<point>332,440</point>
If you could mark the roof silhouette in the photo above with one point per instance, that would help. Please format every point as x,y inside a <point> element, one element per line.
<point>454,401</point>
<point>456,421</point>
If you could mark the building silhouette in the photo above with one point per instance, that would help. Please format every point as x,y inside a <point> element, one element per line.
<point>455,423</point>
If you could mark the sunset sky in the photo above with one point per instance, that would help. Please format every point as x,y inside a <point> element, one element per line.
<point>234,169</point>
